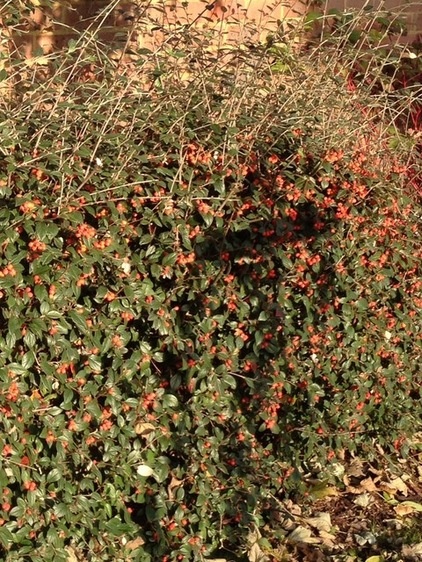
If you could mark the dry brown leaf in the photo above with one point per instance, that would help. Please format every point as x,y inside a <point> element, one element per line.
<point>403,509</point>
<point>328,539</point>
<point>341,454</point>
<point>288,515</point>
<point>303,535</point>
<point>310,554</point>
<point>255,554</point>
<point>144,429</point>
<point>394,486</point>
<point>400,485</point>
<point>363,500</point>
<point>288,524</point>
<point>135,543</point>
<point>321,522</point>
<point>412,551</point>
<point>354,491</point>
<point>292,508</point>
<point>33,61</point>
<point>174,484</point>
<point>409,505</point>
<point>380,449</point>
<point>71,556</point>
<point>368,485</point>
<point>355,468</point>
<point>375,471</point>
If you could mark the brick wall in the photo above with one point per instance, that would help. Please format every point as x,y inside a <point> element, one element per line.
<point>409,10</point>
<point>223,18</point>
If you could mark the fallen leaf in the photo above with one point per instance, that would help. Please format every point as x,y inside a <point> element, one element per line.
<point>380,449</point>
<point>407,507</point>
<point>309,553</point>
<point>337,469</point>
<point>255,554</point>
<point>375,471</point>
<point>394,486</point>
<point>328,539</point>
<point>375,559</point>
<point>368,485</point>
<point>412,551</point>
<point>365,538</point>
<point>416,506</point>
<point>341,454</point>
<point>293,508</point>
<point>301,534</point>
<point>288,524</point>
<point>400,485</point>
<point>363,500</point>
<point>321,522</point>
<point>355,468</point>
<point>353,490</point>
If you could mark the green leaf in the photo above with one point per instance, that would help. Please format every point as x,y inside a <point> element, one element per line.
<point>68,396</point>
<point>230,381</point>
<point>41,293</point>
<point>101,293</point>
<point>62,510</point>
<point>322,490</point>
<point>54,475</point>
<point>28,360</point>
<point>94,361</point>
<point>14,326</point>
<point>54,314</point>
<point>6,537</point>
<point>116,528</point>
<point>79,320</point>
<point>29,339</point>
<point>72,46</point>
<point>170,401</point>
<point>38,327</point>
<point>94,409</point>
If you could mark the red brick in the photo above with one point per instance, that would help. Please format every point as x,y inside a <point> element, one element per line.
<point>227,17</point>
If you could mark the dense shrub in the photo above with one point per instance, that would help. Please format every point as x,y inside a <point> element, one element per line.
<point>204,289</point>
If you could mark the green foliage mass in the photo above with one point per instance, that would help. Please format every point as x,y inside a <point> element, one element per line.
<point>196,298</point>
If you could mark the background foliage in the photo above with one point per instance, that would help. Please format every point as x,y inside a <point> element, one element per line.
<point>210,281</point>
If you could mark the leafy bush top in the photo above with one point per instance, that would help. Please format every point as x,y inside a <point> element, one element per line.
<point>203,290</point>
